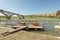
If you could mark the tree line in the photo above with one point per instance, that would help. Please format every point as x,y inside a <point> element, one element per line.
<point>37,16</point>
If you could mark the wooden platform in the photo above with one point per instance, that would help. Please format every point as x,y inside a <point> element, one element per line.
<point>18,28</point>
<point>31,27</point>
<point>13,30</point>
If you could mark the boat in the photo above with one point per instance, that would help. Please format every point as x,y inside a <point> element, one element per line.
<point>57,27</point>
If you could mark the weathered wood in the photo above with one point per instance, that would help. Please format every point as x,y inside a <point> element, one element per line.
<point>13,31</point>
<point>36,27</point>
<point>32,26</point>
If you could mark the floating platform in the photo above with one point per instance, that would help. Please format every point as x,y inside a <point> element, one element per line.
<point>32,27</point>
<point>24,26</point>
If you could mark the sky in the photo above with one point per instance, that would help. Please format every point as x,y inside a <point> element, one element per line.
<point>26,7</point>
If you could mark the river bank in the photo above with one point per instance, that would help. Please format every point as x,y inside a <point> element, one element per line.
<point>30,35</point>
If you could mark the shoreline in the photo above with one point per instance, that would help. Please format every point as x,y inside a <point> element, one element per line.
<point>39,19</point>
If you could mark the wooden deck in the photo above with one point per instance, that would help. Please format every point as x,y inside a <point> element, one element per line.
<point>32,27</point>
<point>13,30</point>
<point>18,28</point>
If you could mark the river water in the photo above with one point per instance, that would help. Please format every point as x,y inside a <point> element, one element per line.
<point>48,24</point>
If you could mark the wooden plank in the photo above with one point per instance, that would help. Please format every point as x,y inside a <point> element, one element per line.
<point>13,31</point>
<point>31,26</point>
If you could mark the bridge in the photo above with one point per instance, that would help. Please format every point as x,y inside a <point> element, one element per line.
<point>8,14</point>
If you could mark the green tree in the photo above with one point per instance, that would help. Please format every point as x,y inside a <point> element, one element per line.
<point>58,13</point>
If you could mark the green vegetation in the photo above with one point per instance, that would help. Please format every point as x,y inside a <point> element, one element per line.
<point>41,17</point>
<point>53,16</point>
<point>2,16</point>
<point>36,17</point>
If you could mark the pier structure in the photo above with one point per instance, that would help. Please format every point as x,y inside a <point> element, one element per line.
<point>8,14</point>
